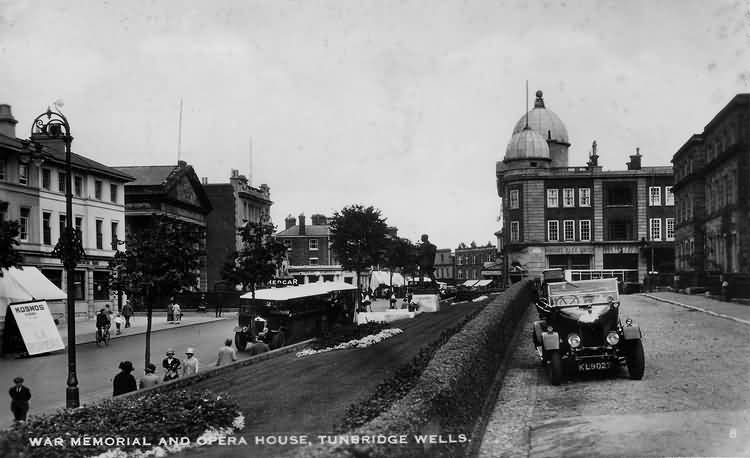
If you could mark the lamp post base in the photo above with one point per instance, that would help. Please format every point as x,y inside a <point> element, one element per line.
<point>71,397</point>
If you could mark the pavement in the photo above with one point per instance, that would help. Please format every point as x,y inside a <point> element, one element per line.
<point>694,399</point>
<point>86,329</point>
<point>729,310</point>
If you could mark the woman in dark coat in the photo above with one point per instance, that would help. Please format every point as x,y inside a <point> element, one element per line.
<point>124,382</point>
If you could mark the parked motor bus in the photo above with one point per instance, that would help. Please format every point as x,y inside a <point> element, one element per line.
<point>282,316</point>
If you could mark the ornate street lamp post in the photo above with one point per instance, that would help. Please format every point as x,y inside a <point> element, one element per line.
<point>54,125</point>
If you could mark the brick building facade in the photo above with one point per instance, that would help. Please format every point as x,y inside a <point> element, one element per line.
<point>580,218</point>
<point>712,175</point>
<point>471,260</point>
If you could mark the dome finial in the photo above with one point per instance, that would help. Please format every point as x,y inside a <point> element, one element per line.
<point>539,103</point>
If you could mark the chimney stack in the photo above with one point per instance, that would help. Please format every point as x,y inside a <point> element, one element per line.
<point>7,121</point>
<point>301,224</point>
<point>318,220</point>
<point>290,221</point>
<point>593,157</point>
<point>235,173</point>
<point>635,160</point>
<point>204,180</point>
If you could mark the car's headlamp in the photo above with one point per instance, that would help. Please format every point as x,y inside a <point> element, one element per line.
<point>574,340</point>
<point>613,338</point>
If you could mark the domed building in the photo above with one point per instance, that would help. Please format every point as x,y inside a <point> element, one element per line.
<point>586,220</point>
<point>549,126</point>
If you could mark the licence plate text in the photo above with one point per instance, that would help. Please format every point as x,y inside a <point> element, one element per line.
<point>597,366</point>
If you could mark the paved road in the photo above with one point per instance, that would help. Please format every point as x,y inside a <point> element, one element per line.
<point>693,400</point>
<point>46,375</point>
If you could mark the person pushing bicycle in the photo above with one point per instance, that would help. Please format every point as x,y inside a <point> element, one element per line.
<point>102,322</point>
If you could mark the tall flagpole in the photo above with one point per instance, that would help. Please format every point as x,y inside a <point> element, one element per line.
<point>179,134</point>
<point>527,103</point>
<point>250,169</point>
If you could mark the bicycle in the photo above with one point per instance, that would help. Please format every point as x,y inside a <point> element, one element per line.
<point>102,336</point>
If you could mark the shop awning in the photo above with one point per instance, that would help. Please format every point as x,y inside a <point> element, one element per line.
<point>483,283</point>
<point>27,284</point>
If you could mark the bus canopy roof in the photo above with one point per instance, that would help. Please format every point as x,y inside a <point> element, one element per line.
<point>296,292</point>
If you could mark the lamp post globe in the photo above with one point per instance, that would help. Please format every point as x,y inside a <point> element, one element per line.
<point>54,125</point>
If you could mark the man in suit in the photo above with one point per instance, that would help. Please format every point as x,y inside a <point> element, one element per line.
<point>19,403</point>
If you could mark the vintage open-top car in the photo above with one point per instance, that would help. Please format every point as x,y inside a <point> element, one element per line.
<point>579,328</point>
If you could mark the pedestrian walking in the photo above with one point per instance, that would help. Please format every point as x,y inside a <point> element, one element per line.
<point>177,312</point>
<point>191,364</point>
<point>366,303</point>
<point>124,382</point>
<point>150,379</point>
<point>393,300</point>
<point>119,322</point>
<point>170,310</point>
<point>218,307</point>
<point>109,312</point>
<point>171,366</point>
<point>19,400</point>
<point>226,354</point>
<point>127,312</point>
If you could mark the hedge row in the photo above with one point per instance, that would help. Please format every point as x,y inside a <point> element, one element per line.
<point>450,394</point>
<point>400,383</point>
<point>148,417</point>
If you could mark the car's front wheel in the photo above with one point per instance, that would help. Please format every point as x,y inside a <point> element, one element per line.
<point>636,360</point>
<point>240,340</point>
<point>555,367</point>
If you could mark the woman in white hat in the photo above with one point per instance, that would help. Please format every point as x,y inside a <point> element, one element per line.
<point>190,365</point>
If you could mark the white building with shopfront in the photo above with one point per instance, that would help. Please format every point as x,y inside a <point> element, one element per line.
<point>33,192</point>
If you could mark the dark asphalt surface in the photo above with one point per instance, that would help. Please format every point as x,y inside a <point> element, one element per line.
<point>46,375</point>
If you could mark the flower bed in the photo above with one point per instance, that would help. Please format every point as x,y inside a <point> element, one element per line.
<point>149,425</point>
<point>399,384</point>
<point>356,343</point>
<point>345,333</point>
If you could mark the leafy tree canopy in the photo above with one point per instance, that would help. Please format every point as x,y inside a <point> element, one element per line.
<point>359,237</point>
<point>259,258</point>
<point>9,256</point>
<point>161,259</point>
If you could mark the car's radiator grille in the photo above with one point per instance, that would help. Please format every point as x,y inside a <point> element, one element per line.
<point>591,336</point>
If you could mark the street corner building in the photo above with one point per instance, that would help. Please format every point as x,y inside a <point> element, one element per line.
<point>711,176</point>
<point>32,191</point>
<point>590,221</point>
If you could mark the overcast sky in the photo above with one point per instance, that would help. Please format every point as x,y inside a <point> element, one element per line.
<point>404,105</point>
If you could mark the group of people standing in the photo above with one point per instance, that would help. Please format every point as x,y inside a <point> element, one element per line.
<point>174,368</point>
<point>174,311</point>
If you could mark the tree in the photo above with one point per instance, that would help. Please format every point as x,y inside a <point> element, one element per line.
<point>401,254</point>
<point>9,256</point>
<point>359,238</point>
<point>161,260</point>
<point>258,259</point>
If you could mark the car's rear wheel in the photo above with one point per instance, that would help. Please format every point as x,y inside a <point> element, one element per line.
<point>636,360</point>
<point>278,341</point>
<point>555,367</point>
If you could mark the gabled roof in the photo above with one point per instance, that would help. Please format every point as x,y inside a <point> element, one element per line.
<point>148,175</point>
<point>78,161</point>
<point>310,231</point>
<point>164,178</point>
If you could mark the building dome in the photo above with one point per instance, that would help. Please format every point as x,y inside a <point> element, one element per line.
<point>526,144</point>
<point>544,122</point>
